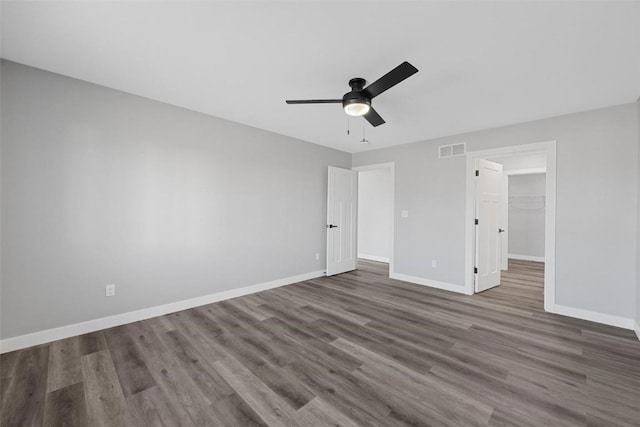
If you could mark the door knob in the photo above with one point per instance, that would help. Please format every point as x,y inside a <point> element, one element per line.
<point>500,230</point>
<point>332,226</point>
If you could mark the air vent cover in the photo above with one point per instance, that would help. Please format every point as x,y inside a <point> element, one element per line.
<point>445,151</point>
<point>452,150</point>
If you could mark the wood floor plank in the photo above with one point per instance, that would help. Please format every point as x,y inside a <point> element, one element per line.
<point>64,364</point>
<point>403,352</point>
<point>91,343</point>
<point>267,404</point>
<point>495,393</point>
<point>279,380</point>
<point>255,337</point>
<point>310,347</point>
<point>161,324</point>
<point>8,363</point>
<point>132,371</point>
<point>197,331</point>
<point>23,395</point>
<point>180,388</point>
<point>356,349</point>
<point>254,310</point>
<point>319,412</point>
<point>105,401</point>
<point>233,411</point>
<point>199,369</point>
<point>424,389</point>
<point>345,392</point>
<point>66,407</point>
<point>154,407</point>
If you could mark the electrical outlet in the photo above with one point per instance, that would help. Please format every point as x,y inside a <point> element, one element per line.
<point>110,290</point>
<point>434,263</point>
<point>317,256</point>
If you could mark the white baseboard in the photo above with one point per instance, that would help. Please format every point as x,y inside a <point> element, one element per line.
<point>526,257</point>
<point>374,257</point>
<point>637,329</point>
<point>42,337</point>
<point>594,316</point>
<point>427,282</point>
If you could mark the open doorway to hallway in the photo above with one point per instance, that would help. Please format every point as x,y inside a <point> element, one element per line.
<point>375,212</point>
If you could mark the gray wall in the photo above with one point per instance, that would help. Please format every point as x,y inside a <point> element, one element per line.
<point>99,186</point>
<point>374,213</point>
<point>526,215</point>
<point>597,191</point>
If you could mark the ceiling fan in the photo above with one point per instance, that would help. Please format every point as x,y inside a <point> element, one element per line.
<point>357,102</point>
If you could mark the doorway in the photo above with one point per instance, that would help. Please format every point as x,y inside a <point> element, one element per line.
<point>490,244</point>
<point>526,202</point>
<point>375,212</point>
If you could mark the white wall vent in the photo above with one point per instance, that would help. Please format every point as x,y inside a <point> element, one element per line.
<point>445,151</point>
<point>452,150</point>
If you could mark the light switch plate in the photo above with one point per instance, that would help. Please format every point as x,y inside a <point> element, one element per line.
<point>404,214</point>
<point>110,290</point>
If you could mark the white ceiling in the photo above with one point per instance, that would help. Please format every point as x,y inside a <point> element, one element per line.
<point>482,64</point>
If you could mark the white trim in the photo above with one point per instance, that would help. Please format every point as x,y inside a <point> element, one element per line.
<point>374,258</point>
<point>431,283</point>
<point>593,316</point>
<point>42,337</point>
<point>549,148</point>
<point>392,171</point>
<point>637,329</point>
<point>526,257</point>
<point>529,171</point>
<point>387,165</point>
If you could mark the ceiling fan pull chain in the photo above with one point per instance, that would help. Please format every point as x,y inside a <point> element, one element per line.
<point>364,140</point>
<point>347,125</point>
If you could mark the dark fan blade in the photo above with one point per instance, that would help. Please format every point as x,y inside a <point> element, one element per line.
<point>374,118</point>
<point>391,79</point>
<point>314,101</point>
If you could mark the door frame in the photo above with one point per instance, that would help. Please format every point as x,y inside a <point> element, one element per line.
<point>549,149</point>
<point>504,218</point>
<point>392,172</point>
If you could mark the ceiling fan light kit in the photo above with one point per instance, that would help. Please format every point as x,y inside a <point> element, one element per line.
<point>357,107</point>
<point>357,102</point>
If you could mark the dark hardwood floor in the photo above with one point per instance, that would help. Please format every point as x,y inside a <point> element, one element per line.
<point>355,349</point>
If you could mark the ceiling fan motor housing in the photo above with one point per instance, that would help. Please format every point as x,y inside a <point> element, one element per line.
<point>357,83</point>
<point>356,96</point>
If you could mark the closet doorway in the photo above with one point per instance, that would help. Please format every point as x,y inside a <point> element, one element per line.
<point>522,218</point>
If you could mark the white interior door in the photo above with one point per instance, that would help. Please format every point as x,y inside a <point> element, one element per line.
<point>342,200</point>
<point>504,221</point>
<point>488,213</point>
